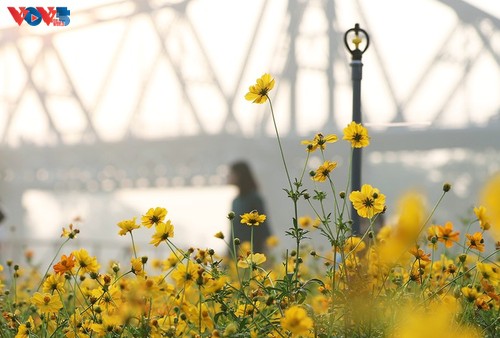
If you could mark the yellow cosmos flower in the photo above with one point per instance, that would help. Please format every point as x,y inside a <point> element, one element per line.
<point>244,310</point>
<point>490,199</point>
<point>54,283</point>
<point>163,231</point>
<point>324,171</point>
<point>109,326</point>
<point>258,92</point>
<point>297,321</point>
<point>153,216</point>
<point>127,226</point>
<point>438,320</point>
<point>255,259</point>
<point>47,303</point>
<point>171,261</point>
<point>26,329</point>
<point>357,135</point>
<point>489,272</point>
<point>272,241</point>
<point>432,235</point>
<point>85,263</point>
<point>137,266</point>
<point>484,221</point>
<point>412,211</point>
<point>252,218</point>
<point>307,222</point>
<point>319,141</point>
<point>354,244</point>
<point>475,241</point>
<point>185,275</point>
<point>368,202</point>
<point>470,293</point>
<point>70,232</point>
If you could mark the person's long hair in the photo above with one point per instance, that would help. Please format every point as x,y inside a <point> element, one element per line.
<point>244,178</point>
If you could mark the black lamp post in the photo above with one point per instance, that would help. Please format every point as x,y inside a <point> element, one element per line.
<point>356,66</point>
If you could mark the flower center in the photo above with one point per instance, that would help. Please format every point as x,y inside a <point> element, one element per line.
<point>368,203</point>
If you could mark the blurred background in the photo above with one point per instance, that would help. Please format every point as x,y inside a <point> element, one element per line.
<point>140,103</point>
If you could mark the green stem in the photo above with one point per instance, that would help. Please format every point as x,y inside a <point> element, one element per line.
<point>279,143</point>
<point>51,263</point>
<point>133,244</point>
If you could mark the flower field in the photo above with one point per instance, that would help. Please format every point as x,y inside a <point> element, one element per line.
<point>411,276</point>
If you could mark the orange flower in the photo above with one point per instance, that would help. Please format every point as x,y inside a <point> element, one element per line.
<point>475,241</point>
<point>65,265</point>
<point>446,235</point>
<point>420,254</point>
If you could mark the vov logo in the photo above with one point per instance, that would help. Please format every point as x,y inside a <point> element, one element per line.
<point>57,16</point>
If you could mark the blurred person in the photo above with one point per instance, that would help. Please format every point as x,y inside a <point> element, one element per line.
<point>247,200</point>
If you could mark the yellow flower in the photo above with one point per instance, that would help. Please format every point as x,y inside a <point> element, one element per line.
<point>244,310</point>
<point>436,320</point>
<point>323,171</point>
<point>412,210</point>
<point>255,259</point>
<point>219,235</point>
<point>153,216</point>
<point>490,199</point>
<point>272,241</point>
<point>354,244</point>
<point>470,293</point>
<point>297,321</point>
<point>137,266</point>
<point>185,274</point>
<point>319,141</point>
<point>368,202</point>
<point>252,218</point>
<point>307,221</point>
<point>85,262</point>
<point>258,92</point>
<point>54,283</point>
<point>127,226</point>
<point>163,231</point>
<point>109,326</point>
<point>357,135</point>
<point>26,329</point>
<point>489,272</point>
<point>70,233</point>
<point>483,219</point>
<point>171,261</point>
<point>475,241</point>
<point>46,302</point>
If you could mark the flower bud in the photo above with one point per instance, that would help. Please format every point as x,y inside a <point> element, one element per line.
<point>231,215</point>
<point>446,187</point>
